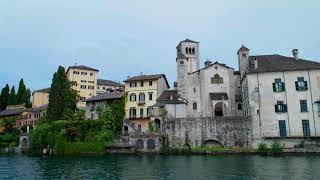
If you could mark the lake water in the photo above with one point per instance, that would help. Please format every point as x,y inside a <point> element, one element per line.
<point>161,167</point>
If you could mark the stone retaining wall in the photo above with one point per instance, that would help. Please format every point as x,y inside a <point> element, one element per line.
<point>228,131</point>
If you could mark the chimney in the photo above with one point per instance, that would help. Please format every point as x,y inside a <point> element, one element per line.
<point>175,85</point>
<point>295,53</point>
<point>207,63</point>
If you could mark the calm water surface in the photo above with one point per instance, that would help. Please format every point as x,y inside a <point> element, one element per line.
<point>161,167</point>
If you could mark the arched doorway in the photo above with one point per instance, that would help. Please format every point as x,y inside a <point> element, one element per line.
<point>212,143</point>
<point>139,144</point>
<point>220,109</point>
<point>151,144</point>
<point>158,124</point>
<point>125,130</point>
<point>24,142</point>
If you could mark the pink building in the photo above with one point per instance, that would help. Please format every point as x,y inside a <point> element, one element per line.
<point>33,115</point>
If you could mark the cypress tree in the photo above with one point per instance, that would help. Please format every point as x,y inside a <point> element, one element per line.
<point>27,101</point>
<point>12,97</point>
<point>4,97</point>
<point>62,98</point>
<point>22,93</point>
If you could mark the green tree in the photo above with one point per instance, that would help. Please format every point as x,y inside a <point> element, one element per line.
<point>27,101</point>
<point>62,98</point>
<point>12,97</point>
<point>22,93</point>
<point>4,97</point>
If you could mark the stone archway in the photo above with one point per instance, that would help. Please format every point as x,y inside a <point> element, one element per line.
<point>140,144</point>
<point>220,109</point>
<point>151,144</point>
<point>213,143</point>
<point>125,130</point>
<point>24,142</point>
<point>157,124</point>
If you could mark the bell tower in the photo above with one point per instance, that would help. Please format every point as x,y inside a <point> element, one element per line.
<point>243,60</point>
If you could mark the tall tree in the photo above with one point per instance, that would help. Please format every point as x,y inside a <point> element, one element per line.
<point>12,97</point>
<point>62,98</point>
<point>27,101</point>
<point>22,93</point>
<point>4,97</point>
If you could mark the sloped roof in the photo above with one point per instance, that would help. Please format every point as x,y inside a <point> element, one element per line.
<point>45,90</point>
<point>83,67</point>
<point>275,63</point>
<point>218,96</point>
<point>215,63</point>
<point>12,112</point>
<point>236,72</point>
<point>147,77</point>
<point>243,48</point>
<point>169,97</point>
<point>106,96</point>
<point>39,109</point>
<point>108,83</point>
<point>189,40</point>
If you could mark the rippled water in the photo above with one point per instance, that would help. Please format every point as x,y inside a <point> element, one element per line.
<point>161,167</point>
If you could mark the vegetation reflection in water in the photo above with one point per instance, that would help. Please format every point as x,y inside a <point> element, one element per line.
<point>161,167</point>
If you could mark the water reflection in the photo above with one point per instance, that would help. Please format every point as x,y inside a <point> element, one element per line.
<point>160,167</point>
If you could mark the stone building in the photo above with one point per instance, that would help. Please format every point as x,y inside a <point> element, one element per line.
<point>211,91</point>
<point>108,86</point>
<point>40,97</point>
<point>143,90</point>
<point>281,95</point>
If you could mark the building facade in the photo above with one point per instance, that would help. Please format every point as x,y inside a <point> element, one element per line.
<point>86,82</point>
<point>281,95</point>
<point>40,97</point>
<point>213,90</point>
<point>108,86</point>
<point>142,92</point>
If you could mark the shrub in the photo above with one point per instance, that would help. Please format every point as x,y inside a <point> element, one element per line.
<point>263,148</point>
<point>276,148</point>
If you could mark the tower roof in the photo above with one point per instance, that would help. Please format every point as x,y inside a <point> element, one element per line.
<point>187,41</point>
<point>243,48</point>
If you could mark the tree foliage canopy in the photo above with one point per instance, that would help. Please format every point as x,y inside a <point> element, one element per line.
<point>4,97</point>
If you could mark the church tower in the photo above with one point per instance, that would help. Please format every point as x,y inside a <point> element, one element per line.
<point>243,60</point>
<point>187,59</point>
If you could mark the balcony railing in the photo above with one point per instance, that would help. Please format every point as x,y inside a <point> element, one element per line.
<point>140,103</point>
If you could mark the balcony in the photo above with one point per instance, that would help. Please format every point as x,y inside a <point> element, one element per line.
<point>141,103</point>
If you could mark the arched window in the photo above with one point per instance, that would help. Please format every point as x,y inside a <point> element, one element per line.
<point>186,50</point>
<point>193,51</point>
<point>190,50</point>
<point>194,106</point>
<point>133,97</point>
<point>216,79</point>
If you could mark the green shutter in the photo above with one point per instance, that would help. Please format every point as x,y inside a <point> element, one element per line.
<point>274,87</point>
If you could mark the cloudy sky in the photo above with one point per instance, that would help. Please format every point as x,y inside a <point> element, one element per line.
<point>125,37</point>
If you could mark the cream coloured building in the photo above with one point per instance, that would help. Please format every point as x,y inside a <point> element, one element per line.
<point>40,97</point>
<point>107,86</point>
<point>86,82</point>
<point>143,92</point>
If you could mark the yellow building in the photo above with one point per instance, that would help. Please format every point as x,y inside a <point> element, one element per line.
<point>143,92</point>
<point>86,82</point>
<point>40,97</point>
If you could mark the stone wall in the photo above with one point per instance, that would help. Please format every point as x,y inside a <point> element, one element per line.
<point>229,131</point>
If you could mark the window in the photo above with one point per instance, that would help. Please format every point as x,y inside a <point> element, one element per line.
<point>187,51</point>
<point>301,84</point>
<point>303,106</point>
<point>83,87</point>
<point>90,87</point>
<point>150,83</point>
<point>181,62</point>
<point>216,79</point>
<point>194,106</point>
<point>91,82</point>
<point>306,128</point>
<point>141,83</point>
<point>244,55</point>
<point>83,81</point>
<point>278,86</point>
<point>141,113</point>
<point>84,73</point>
<point>193,51</point>
<point>239,106</point>
<point>133,84</point>
<point>75,72</point>
<point>318,106</point>
<point>150,96</point>
<point>282,128</point>
<point>91,74</point>
<point>280,107</point>
<point>104,88</point>
<point>133,113</point>
<point>149,111</point>
<point>141,98</point>
<point>133,97</point>
<point>194,90</point>
<point>82,98</point>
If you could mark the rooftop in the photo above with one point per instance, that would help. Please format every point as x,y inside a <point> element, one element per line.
<point>83,67</point>
<point>147,77</point>
<point>170,97</point>
<point>106,96</point>
<point>106,82</point>
<point>45,90</point>
<point>276,63</point>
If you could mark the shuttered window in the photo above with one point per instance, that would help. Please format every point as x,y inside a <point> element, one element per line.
<point>282,128</point>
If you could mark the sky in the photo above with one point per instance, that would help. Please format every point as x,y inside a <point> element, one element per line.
<point>123,38</point>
